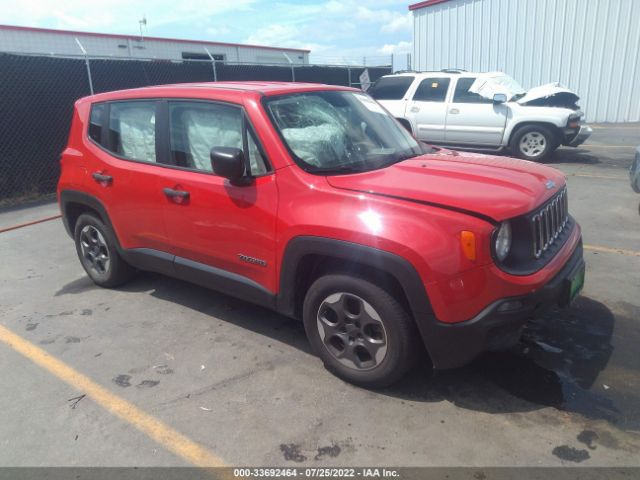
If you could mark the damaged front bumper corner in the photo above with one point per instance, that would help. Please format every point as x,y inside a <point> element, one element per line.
<point>574,138</point>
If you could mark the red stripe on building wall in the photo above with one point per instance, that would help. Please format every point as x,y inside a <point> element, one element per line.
<point>134,37</point>
<point>426,3</point>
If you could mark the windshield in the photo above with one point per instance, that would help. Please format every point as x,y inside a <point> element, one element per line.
<point>339,132</point>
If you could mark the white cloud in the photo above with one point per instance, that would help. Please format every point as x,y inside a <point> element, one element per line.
<point>398,23</point>
<point>396,48</point>
<point>114,16</point>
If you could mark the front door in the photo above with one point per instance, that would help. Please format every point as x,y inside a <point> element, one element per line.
<point>427,110</point>
<point>473,119</point>
<point>210,222</point>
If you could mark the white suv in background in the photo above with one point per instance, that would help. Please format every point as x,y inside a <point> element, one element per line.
<point>483,111</point>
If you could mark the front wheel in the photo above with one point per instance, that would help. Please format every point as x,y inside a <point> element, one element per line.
<point>533,142</point>
<point>362,333</point>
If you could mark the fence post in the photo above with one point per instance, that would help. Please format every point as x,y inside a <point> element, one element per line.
<point>392,63</point>
<point>86,62</point>
<point>293,70</point>
<point>349,73</point>
<point>213,64</point>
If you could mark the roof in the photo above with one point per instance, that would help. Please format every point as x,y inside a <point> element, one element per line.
<point>259,88</point>
<point>264,87</point>
<point>444,73</point>
<point>137,37</point>
<point>426,3</point>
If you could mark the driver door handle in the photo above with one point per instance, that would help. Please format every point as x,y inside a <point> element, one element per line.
<point>454,111</point>
<point>178,194</point>
<point>102,178</point>
<point>414,109</point>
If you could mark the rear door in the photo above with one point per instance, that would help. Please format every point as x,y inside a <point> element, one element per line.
<point>473,119</point>
<point>122,138</point>
<point>427,110</point>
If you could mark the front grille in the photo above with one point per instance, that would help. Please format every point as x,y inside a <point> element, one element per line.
<point>548,223</point>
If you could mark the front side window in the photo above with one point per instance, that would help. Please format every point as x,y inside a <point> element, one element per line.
<point>463,95</point>
<point>95,122</point>
<point>132,130</point>
<point>197,127</point>
<point>432,90</point>
<point>339,131</point>
<point>391,88</point>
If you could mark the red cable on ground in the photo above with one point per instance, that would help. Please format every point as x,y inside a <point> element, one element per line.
<point>15,227</point>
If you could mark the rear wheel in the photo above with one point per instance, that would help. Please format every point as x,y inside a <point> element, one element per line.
<point>362,333</point>
<point>533,142</point>
<point>96,247</point>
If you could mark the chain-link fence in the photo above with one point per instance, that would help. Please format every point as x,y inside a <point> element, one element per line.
<point>37,95</point>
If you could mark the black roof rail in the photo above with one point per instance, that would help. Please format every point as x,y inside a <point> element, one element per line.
<point>452,70</point>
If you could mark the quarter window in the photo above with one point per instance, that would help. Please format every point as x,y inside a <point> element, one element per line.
<point>391,88</point>
<point>432,90</point>
<point>463,95</point>
<point>132,132</point>
<point>95,122</point>
<point>197,127</point>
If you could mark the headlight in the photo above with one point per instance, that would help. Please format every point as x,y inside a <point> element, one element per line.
<point>503,241</point>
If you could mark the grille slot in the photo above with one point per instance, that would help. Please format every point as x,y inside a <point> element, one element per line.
<point>548,223</point>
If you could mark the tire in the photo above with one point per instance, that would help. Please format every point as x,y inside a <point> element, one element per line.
<point>340,308</point>
<point>533,142</point>
<point>96,248</point>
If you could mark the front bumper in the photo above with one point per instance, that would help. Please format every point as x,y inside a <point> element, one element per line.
<point>634,172</point>
<point>500,324</point>
<point>573,139</point>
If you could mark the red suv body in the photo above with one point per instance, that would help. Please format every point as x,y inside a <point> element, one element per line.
<point>311,200</point>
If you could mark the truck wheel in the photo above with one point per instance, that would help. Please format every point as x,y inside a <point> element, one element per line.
<point>96,247</point>
<point>361,333</point>
<point>533,142</point>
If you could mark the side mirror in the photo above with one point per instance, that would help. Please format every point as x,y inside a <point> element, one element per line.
<point>499,98</point>
<point>228,162</point>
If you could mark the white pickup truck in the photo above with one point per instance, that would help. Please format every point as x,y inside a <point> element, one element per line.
<point>483,111</point>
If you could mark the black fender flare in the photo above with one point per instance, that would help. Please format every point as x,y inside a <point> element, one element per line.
<point>399,268</point>
<point>73,196</point>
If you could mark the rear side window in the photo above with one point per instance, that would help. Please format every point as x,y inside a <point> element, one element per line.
<point>132,130</point>
<point>196,127</point>
<point>95,122</point>
<point>391,88</point>
<point>463,95</point>
<point>432,90</point>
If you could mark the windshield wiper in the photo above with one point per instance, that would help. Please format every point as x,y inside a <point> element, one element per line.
<point>341,169</point>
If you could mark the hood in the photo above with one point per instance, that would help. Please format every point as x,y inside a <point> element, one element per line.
<point>549,94</point>
<point>487,186</point>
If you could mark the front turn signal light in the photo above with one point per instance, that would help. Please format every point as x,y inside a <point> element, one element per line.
<point>468,242</point>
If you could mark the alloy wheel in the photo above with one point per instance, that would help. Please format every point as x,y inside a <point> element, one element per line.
<point>533,144</point>
<point>352,331</point>
<point>95,252</point>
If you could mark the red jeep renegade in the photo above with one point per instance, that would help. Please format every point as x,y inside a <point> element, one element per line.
<point>313,201</point>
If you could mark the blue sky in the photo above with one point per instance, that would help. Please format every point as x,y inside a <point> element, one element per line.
<point>331,29</point>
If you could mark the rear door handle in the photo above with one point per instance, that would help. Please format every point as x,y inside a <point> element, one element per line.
<point>454,111</point>
<point>102,178</point>
<point>176,194</point>
<point>414,109</point>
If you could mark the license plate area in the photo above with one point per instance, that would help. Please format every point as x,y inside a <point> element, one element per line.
<point>574,284</point>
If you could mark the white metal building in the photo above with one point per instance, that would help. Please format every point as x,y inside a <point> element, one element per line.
<point>590,46</point>
<point>63,42</point>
